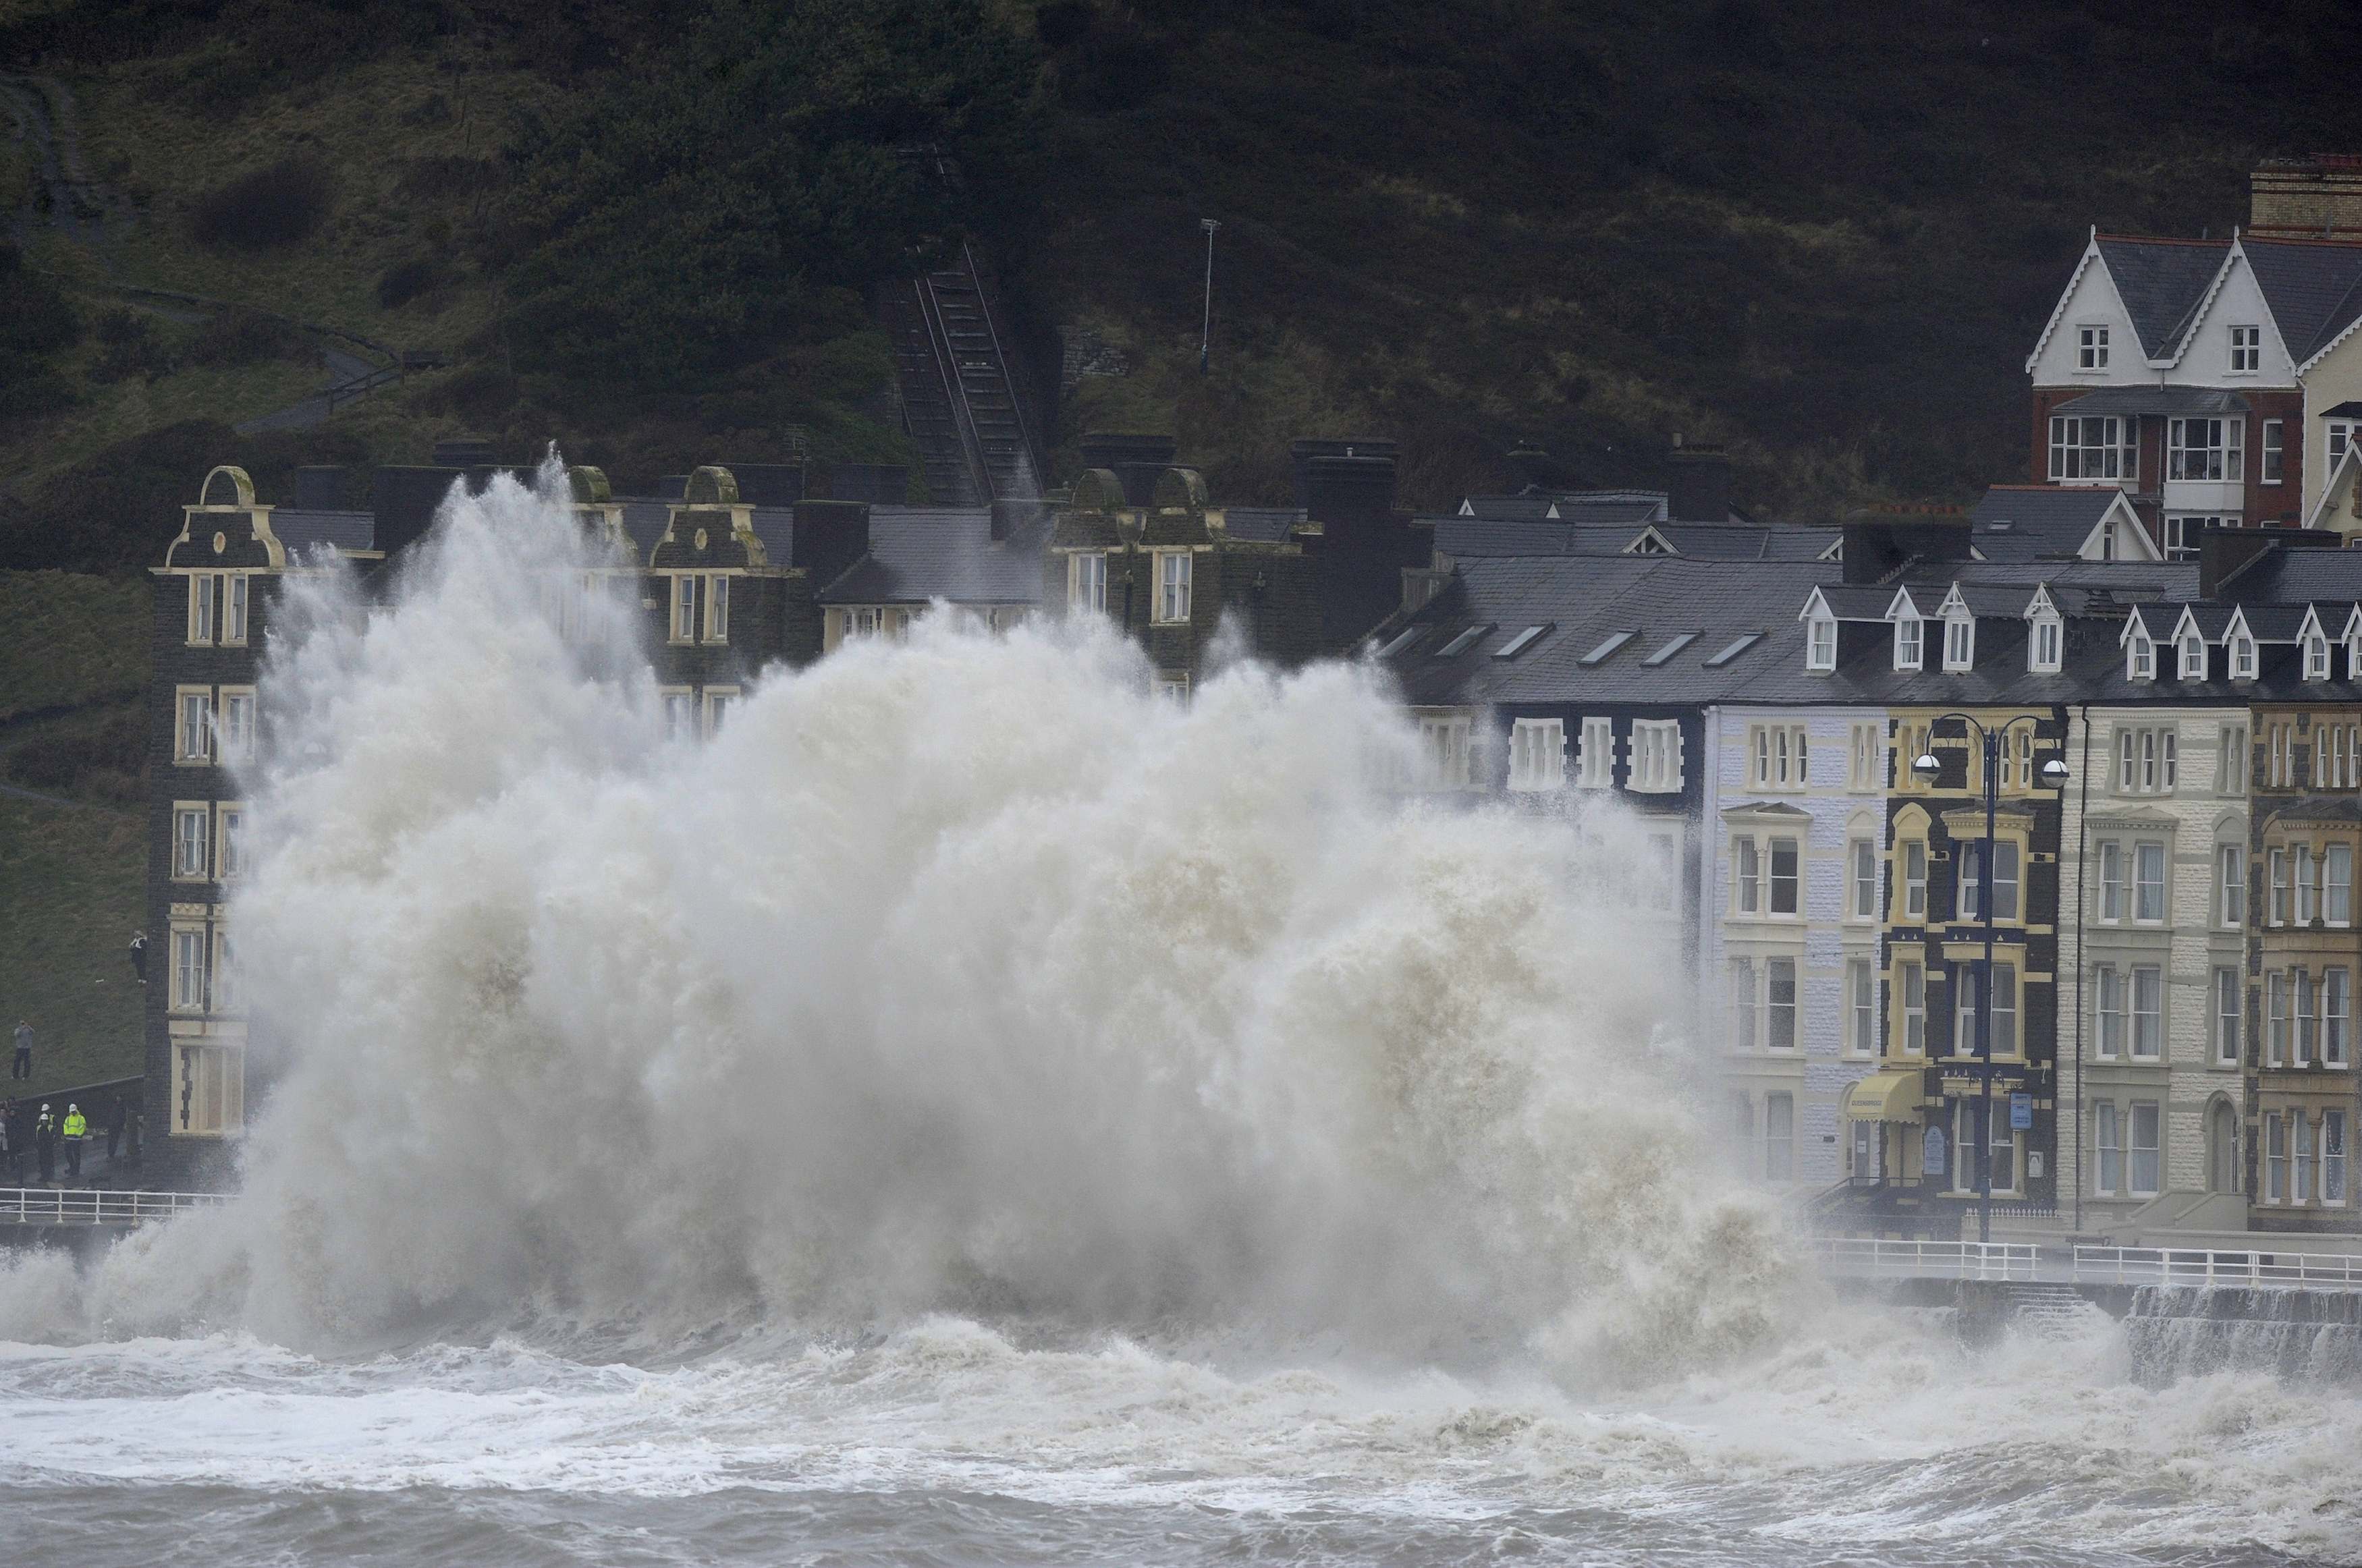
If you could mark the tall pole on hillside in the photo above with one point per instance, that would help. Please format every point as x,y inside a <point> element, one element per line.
<point>1206,331</point>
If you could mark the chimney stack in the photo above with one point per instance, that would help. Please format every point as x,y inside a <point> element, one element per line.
<point>1138,461</point>
<point>2315,197</point>
<point>1697,484</point>
<point>1878,543</point>
<point>829,537</point>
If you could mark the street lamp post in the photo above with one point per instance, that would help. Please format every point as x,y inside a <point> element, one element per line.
<point>2053,776</point>
<point>1206,331</point>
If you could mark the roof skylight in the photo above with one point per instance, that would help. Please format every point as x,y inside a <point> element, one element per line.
<point>1459,644</point>
<point>1402,640</point>
<point>1669,649</point>
<point>1519,643</point>
<point>1615,640</point>
<point>1733,649</point>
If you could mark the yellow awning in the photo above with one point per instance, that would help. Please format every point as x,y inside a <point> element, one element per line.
<point>1884,1097</point>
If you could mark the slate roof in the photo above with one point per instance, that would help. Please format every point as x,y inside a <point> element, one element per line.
<point>301,531</point>
<point>916,554</point>
<point>1584,600</point>
<point>2314,290</point>
<point>1528,508</point>
<point>2296,576</point>
<point>2153,402</point>
<point>2025,522</point>
<point>1465,537</point>
<point>2161,283</point>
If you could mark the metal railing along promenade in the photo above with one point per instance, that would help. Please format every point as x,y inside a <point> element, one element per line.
<point>96,1205</point>
<point>1852,1257</point>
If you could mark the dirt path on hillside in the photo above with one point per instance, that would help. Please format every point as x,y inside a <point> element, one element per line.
<point>64,197</point>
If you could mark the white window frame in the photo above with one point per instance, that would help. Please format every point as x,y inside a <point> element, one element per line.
<point>678,707</point>
<point>188,974</point>
<point>1443,741</point>
<point>193,825</point>
<point>2110,1014</point>
<point>717,607</point>
<point>1596,761</point>
<point>2107,1150</point>
<point>2044,650</point>
<point>2338,885</point>
<point>209,1080</point>
<point>2336,1016</point>
<point>2112,883</point>
<point>1653,764</point>
<point>1746,876</point>
<point>683,599</point>
<point>1537,754</point>
<point>1910,642</point>
<point>234,736</point>
<point>1783,1021</point>
<point>1862,762</point>
<point>192,726</point>
<point>1792,884</point>
<point>2231,886</point>
<point>2009,899</point>
<point>1779,756</point>
<point>2093,448</point>
<point>2316,657</point>
<point>2334,1156</point>
<point>2243,657</point>
<point>716,708</point>
<point>2190,663</point>
<point>2145,1039</point>
<point>230,827</point>
<point>1861,879</point>
<point>2140,655</point>
<point>2275,1158</point>
<point>1910,981</point>
<point>1820,645</point>
<point>237,608</point>
<point>2232,760</point>
<point>1913,854</point>
<point>2230,1015</point>
<point>1861,1010</point>
<point>204,589</point>
<point>1174,572</point>
<point>2004,1010</point>
<point>2246,350</point>
<point>1087,582</point>
<point>1745,1005</point>
<point>2272,455</point>
<point>2152,881</point>
<point>1960,643</point>
<point>2091,345</point>
<point>2209,450</point>
<point>2140,1182</point>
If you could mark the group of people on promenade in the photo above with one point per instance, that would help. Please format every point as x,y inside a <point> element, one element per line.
<point>39,1134</point>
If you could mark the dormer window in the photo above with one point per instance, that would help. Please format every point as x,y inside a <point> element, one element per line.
<point>1820,645</point>
<point>2243,657</point>
<point>2316,657</point>
<point>2140,655</point>
<point>1959,643</point>
<point>2193,656</point>
<point>2042,654</point>
<point>1908,641</point>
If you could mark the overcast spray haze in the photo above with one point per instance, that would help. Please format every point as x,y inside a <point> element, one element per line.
<point>967,1084</point>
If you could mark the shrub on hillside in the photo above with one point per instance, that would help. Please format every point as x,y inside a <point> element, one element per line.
<point>235,336</point>
<point>274,205</point>
<point>406,281</point>
<point>107,760</point>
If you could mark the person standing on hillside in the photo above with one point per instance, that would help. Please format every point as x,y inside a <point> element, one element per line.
<point>21,1065</point>
<point>45,1144</point>
<point>77,1128</point>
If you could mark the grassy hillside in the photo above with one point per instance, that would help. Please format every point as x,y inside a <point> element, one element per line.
<point>70,886</point>
<point>71,685</point>
<point>1822,232</point>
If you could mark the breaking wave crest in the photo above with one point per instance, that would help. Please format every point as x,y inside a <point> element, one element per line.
<point>955,976</point>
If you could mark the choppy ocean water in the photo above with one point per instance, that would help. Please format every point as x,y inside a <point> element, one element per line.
<point>1878,1441</point>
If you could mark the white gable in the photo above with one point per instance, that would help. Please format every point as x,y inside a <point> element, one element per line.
<point>1900,607</point>
<point>2040,603</point>
<point>2334,513</point>
<point>2203,355</point>
<point>2090,300</point>
<point>2132,540</point>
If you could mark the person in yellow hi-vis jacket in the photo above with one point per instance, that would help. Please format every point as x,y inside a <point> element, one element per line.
<point>76,1129</point>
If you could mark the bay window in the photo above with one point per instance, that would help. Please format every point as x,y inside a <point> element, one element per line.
<point>2205,449</point>
<point>2094,447</point>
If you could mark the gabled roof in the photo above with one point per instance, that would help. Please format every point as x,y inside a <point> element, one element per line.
<point>2162,283</point>
<point>2209,621</point>
<point>2269,623</point>
<point>1518,508</point>
<point>2315,289</point>
<point>918,554</point>
<point>2338,487</point>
